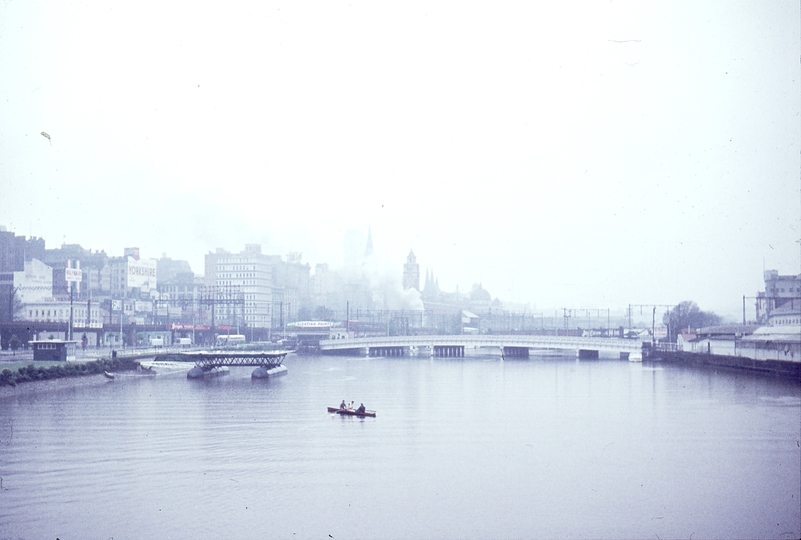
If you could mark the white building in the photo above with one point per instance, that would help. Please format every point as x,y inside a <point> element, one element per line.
<point>127,273</point>
<point>58,310</point>
<point>780,303</point>
<point>34,283</point>
<point>248,273</point>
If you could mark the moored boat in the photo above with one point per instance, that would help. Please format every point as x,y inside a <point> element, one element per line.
<point>108,375</point>
<point>351,412</point>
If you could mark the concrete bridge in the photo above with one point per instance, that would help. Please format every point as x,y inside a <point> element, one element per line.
<point>511,346</point>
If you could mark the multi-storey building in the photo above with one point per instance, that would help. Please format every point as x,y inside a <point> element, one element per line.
<point>15,250</point>
<point>780,302</point>
<point>96,278</point>
<point>241,286</point>
<point>291,289</point>
<point>179,293</point>
<point>34,283</point>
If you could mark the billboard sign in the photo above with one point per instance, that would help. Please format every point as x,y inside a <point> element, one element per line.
<point>178,326</point>
<point>142,273</point>
<point>73,275</point>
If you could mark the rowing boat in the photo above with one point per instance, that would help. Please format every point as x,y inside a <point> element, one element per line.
<point>351,412</point>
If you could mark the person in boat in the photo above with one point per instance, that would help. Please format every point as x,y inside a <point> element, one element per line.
<point>342,405</point>
<point>360,409</point>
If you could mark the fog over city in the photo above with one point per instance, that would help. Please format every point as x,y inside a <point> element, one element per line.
<point>586,155</point>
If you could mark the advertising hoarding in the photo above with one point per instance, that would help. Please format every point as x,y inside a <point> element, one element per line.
<point>142,273</point>
<point>73,275</point>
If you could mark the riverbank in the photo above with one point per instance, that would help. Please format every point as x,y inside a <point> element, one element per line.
<point>784,370</point>
<point>30,374</point>
<point>52,385</point>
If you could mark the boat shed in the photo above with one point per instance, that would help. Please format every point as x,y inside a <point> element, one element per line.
<point>57,350</point>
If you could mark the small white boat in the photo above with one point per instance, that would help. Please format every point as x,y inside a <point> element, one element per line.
<point>108,375</point>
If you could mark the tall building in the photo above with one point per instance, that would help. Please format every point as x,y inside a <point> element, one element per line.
<point>249,274</point>
<point>178,292</point>
<point>780,303</point>
<point>168,269</point>
<point>15,250</point>
<point>411,272</point>
<point>291,290</point>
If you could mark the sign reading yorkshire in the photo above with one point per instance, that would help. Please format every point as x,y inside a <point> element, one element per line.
<point>142,273</point>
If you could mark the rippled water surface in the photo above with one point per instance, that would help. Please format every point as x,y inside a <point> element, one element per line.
<point>549,447</point>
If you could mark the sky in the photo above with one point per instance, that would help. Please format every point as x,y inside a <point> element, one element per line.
<point>562,154</point>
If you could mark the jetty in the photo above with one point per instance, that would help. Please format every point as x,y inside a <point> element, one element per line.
<point>214,363</point>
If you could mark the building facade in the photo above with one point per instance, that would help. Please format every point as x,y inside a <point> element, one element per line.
<point>780,302</point>
<point>241,285</point>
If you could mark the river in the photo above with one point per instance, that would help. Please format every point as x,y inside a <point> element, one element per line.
<point>549,447</point>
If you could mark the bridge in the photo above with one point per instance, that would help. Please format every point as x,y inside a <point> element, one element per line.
<point>513,346</point>
<point>214,363</point>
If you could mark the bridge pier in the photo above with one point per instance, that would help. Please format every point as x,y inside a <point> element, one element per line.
<point>387,351</point>
<point>265,372</point>
<point>515,352</point>
<point>588,354</point>
<point>449,351</point>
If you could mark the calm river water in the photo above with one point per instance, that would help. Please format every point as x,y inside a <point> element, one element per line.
<point>549,447</point>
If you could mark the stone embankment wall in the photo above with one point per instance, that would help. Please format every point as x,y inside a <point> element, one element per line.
<point>790,370</point>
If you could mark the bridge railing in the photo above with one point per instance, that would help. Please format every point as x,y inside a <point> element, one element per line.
<point>487,340</point>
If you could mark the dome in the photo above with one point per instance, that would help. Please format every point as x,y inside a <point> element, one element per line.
<point>479,294</point>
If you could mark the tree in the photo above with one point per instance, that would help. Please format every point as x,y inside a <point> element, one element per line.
<point>322,313</point>
<point>10,305</point>
<point>687,314</point>
<point>14,343</point>
<point>304,314</point>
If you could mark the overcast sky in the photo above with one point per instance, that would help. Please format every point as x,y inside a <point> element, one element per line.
<point>584,154</point>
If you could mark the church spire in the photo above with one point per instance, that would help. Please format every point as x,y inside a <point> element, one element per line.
<point>369,249</point>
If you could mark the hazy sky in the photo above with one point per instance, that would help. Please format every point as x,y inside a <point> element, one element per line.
<point>584,154</point>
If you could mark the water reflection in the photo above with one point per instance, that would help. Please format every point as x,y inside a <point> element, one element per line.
<point>475,447</point>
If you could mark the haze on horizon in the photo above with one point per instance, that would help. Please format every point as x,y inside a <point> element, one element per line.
<point>586,155</point>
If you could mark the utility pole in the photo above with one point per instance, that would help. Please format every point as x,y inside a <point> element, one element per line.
<point>653,328</point>
<point>653,316</point>
<point>72,288</point>
<point>743,310</point>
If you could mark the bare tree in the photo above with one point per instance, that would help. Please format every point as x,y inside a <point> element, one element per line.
<point>687,314</point>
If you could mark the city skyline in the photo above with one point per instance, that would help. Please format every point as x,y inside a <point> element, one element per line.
<point>565,158</point>
<point>360,266</point>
